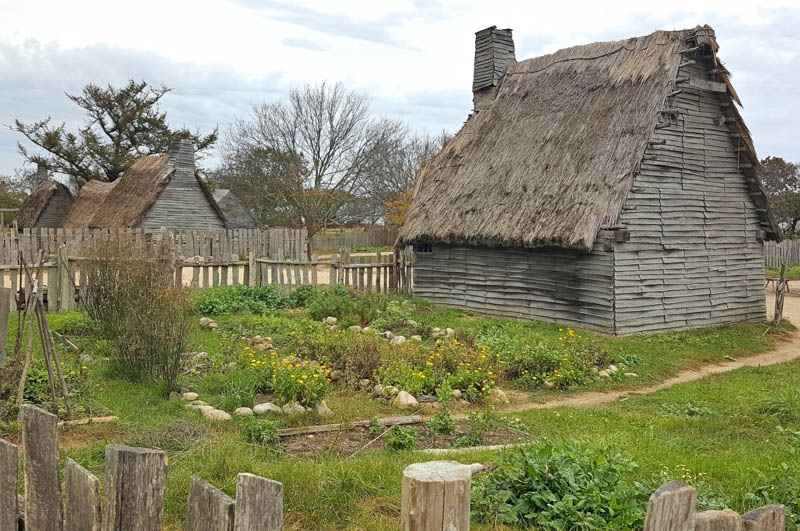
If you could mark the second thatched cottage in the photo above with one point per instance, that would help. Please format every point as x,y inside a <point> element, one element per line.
<point>610,186</point>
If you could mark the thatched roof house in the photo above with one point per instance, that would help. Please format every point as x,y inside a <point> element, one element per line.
<point>611,186</point>
<point>48,204</point>
<point>236,213</point>
<point>156,191</point>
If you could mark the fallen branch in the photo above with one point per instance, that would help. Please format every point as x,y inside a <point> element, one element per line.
<point>66,341</point>
<point>88,420</point>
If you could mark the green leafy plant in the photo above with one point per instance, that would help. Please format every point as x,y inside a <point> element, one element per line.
<point>257,300</point>
<point>238,390</point>
<point>261,431</point>
<point>442,422</point>
<point>784,405</point>
<point>400,439</point>
<point>689,409</point>
<point>564,487</point>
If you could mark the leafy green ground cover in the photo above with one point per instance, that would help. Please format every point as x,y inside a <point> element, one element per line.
<point>792,272</point>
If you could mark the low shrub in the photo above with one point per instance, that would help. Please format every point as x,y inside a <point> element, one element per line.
<point>238,390</point>
<point>261,431</point>
<point>399,439</point>
<point>299,381</point>
<point>443,423</point>
<point>256,300</point>
<point>329,301</point>
<point>358,354</point>
<point>561,487</point>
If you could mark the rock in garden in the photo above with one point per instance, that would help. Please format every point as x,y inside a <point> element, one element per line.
<point>612,368</point>
<point>631,374</point>
<point>411,322</point>
<point>335,375</point>
<point>354,328</point>
<point>364,384</point>
<point>266,407</point>
<point>427,399</point>
<point>450,332</point>
<point>416,338</point>
<point>498,396</point>
<point>200,356</point>
<point>330,320</point>
<point>549,385</point>
<point>216,414</point>
<point>205,321</point>
<point>388,334</point>
<point>174,396</point>
<point>604,374</point>
<point>190,396</point>
<point>436,329</point>
<point>200,408</point>
<point>213,325</point>
<point>456,393</point>
<point>392,390</point>
<point>242,411</point>
<point>404,400</point>
<point>397,340</point>
<point>198,403</point>
<point>378,390</point>
<point>294,407</point>
<point>323,410</point>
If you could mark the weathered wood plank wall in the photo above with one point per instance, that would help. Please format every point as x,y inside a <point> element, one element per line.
<point>547,284</point>
<point>693,258</point>
<point>57,208</point>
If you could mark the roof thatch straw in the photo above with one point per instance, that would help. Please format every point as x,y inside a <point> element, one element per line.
<point>127,201</point>
<point>553,158</point>
<point>37,202</point>
<point>89,201</point>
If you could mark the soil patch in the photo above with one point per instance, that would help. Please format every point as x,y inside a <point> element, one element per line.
<point>348,442</point>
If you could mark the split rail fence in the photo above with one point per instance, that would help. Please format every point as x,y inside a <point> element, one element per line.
<point>134,490</point>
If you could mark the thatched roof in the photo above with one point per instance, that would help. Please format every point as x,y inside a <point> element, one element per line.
<point>89,201</point>
<point>126,202</point>
<point>553,158</point>
<point>37,202</point>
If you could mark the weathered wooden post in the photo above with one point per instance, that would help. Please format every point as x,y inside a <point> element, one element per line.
<point>9,470</point>
<point>82,505</point>
<point>767,518</point>
<point>671,507</point>
<point>436,496</point>
<point>726,520</point>
<point>259,504</point>
<point>42,484</point>
<point>66,294</point>
<point>254,273</point>
<point>780,293</point>
<point>136,479</point>
<point>209,508</point>
<point>6,295</point>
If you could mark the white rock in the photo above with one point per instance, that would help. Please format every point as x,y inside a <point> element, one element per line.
<point>411,322</point>
<point>498,396</point>
<point>199,403</point>
<point>436,329</point>
<point>242,411</point>
<point>198,407</point>
<point>604,374</point>
<point>322,409</point>
<point>549,385</point>
<point>364,383</point>
<point>354,328</point>
<point>450,332</point>
<point>416,338</point>
<point>456,393</point>
<point>190,396</point>
<point>404,400</point>
<point>205,321</point>
<point>216,414</point>
<point>612,368</point>
<point>388,334</point>
<point>213,325</point>
<point>266,407</point>
<point>631,374</point>
<point>293,408</point>
<point>200,356</point>
<point>397,340</point>
<point>330,320</point>
<point>378,390</point>
<point>392,390</point>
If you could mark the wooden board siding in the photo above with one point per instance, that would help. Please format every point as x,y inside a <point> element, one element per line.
<point>182,205</point>
<point>236,213</point>
<point>693,258</point>
<point>56,211</point>
<point>547,284</point>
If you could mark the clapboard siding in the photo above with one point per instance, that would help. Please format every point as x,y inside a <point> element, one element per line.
<point>694,257</point>
<point>56,211</point>
<point>547,284</point>
<point>182,205</point>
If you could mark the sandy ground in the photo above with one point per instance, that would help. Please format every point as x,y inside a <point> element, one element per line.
<point>786,349</point>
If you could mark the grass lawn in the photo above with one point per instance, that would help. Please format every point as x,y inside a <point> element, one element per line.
<point>720,433</point>
<point>792,272</point>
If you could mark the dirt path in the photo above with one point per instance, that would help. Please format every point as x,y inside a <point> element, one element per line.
<point>786,349</point>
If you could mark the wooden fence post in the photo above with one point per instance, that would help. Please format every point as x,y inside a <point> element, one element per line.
<point>436,496</point>
<point>259,504</point>
<point>9,470</point>
<point>672,507</point>
<point>209,507</point>
<point>82,506</point>
<point>42,484</point>
<point>6,295</point>
<point>726,520</point>
<point>66,294</point>
<point>136,479</point>
<point>254,273</point>
<point>767,518</point>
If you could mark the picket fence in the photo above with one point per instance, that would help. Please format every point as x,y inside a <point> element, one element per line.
<point>219,244</point>
<point>371,237</point>
<point>134,490</point>
<point>786,252</point>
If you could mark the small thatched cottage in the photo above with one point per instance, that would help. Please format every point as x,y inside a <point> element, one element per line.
<point>156,191</point>
<point>610,186</point>
<point>236,213</point>
<point>48,204</point>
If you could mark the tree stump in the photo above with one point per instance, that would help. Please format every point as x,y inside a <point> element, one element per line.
<point>436,496</point>
<point>672,507</point>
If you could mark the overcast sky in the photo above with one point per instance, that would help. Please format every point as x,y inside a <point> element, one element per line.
<point>413,58</point>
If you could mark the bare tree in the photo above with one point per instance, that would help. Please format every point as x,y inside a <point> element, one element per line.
<point>335,146</point>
